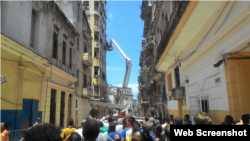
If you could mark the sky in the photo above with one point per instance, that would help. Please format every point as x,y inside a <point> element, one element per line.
<point>125,26</point>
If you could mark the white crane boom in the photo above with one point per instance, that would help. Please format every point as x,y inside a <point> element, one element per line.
<point>128,66</point>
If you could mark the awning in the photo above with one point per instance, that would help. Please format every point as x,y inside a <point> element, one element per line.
<point>109,104</point>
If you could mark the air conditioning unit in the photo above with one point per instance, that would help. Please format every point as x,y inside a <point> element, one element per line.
<point>178,93</point>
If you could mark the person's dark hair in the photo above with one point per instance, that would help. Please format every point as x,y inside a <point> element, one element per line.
<point>167,132</point>
<point>100,124</point>
<point>75,137</point>
<point>71,122</point>
<point>7,126</point>
<point>92,131</point>
<point>158,130</point>
<point>131,120</point>
<point>187,116</point>
<point>167,120</point>
<point>178,120</point>
<point>135,124</point>
<point>203,118</point>
<point>110,119</point>
<point>124,121</point>
<point>146,119</point>
<point>45,132</point>
<point>111,128</point>
<point>228,120</point>
<point>93,113</point>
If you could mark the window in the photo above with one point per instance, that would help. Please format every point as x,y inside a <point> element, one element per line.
<point>76,103</point>
<point>177,76</point>
<point>96,70</point>
<point>169,81</point>
<point>84,81</point>
<point>96,19</point>
<point>70,58</point>
<point>54,52</point>
<point>96,45</point>
<point>96,53</point>
<point>78,12</point>
<point>77,43</point>
<point>204,105</point>
<point>64,53</point>
<point>32,31</point>
<point>85,48</point>
<point>77,75</point>
<point>96,36</point>
<point>96,5</point>
<point>86,4</point>
<point>62,107</point>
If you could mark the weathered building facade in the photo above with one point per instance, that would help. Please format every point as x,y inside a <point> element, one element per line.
<point>203,53</point>
<point>42,65</point>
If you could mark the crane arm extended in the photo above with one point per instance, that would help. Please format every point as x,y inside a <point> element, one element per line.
<point>128,66</point>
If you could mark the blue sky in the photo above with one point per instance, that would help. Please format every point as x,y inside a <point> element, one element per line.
<point>125,26</point>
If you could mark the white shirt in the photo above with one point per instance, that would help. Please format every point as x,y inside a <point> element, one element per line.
<point>118,128</point>
<point>36,123</point>
<point>164,125</point>
<point>128,134</point>
<point>79,131</point>
<point>106,125</point>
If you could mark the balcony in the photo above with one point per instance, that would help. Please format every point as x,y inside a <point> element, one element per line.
<point>149,43</point>
<point>86,32</point>
<point>87,59</point>
<point>87,92</point>
<point>155,75</point>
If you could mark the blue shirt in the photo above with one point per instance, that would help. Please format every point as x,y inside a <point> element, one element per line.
<point>152,135</point>
<point>124,133</point>
<point>115,136</point>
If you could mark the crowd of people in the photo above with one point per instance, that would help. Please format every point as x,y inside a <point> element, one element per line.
<point>126,129</point>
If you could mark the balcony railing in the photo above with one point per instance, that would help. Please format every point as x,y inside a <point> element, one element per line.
<point>175,17</point>
<point>87,59</point>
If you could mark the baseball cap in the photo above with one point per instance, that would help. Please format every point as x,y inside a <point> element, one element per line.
<point>38,118</point>
<point>171,114</point>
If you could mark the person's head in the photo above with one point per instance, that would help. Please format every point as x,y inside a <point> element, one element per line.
<point>203,118</point>
<point>186,117</point>
<point>2,126</point>
<point>178,120</point>
<point>124,123</point>
<point>111,127</point>
<point>110,119</point>
<point>46,132</point>
<point>130,120</point>
<point>136,136</point>
<point>228,120</point>
<point>136,124</point>
<point>75,137</point>
<point>90,130</point>
<point>100,124</point>
<point>146,119</point>
<point>171,116</point>
<point>152,120</point>
<point>71,122</point>
<point>119,121</point>
<point>167,132</point>
<point>38,120</point>
<point>94,113</point>
<point>82,122</point>
<point>167,120</point>
<point>149,125</point>
<point>157,130</point>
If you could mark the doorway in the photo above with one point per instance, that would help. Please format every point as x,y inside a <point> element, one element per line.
<point>62,109</point>
<point>69,107</point>
<point>52,119</point>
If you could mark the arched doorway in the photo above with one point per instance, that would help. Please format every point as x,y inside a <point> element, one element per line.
<point>69,107</point>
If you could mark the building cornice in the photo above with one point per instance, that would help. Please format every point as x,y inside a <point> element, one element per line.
<point>239,20</point>
<point>60,87</point>
<point>62,73</point>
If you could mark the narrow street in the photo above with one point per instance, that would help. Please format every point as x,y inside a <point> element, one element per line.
<point>67,61</point>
